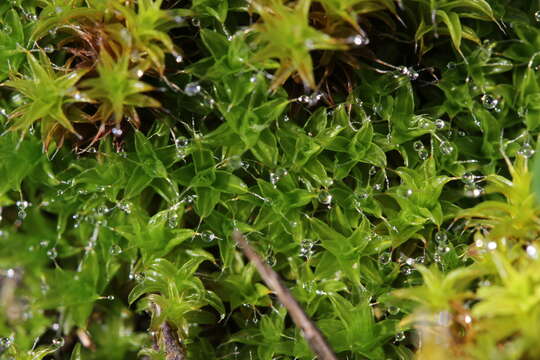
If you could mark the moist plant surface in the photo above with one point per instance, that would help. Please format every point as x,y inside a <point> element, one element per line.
<point>378,155</point>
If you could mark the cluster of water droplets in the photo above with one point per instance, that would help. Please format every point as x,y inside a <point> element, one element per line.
<point>277,175</point>
<point>420,149</point>
<point>471,189</point>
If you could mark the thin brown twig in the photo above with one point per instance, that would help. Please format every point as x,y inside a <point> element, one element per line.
<point>311,333</point>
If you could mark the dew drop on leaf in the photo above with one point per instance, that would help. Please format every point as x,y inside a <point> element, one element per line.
<point>115,250</point>
<point>526,150</point>
<point>423,154</point>
<point>440,124</point>
<point>447,148</point>
<point>489,101</point>
<point>418,146</point>
<point>208,236</point>
<point>441,237</point>
<point>192,89</point>
<point>58,342</point>
<point>393,310</point>
<point>532,252</point>
<point>117,132</point>
<point>385,257</point>
<point>358,40</point>
<point>325,197</point>
<point>52,253</point>
<point>472,190</point>
<point>400,336</point>
<point>537,16</point>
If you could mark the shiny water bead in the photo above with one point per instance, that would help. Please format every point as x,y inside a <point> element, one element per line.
<point>304,99</point>
<point>446,148</point>
<point>400,336</point>
<point>372,171</point>
<point>306,248</point>
<point>441,236</point>
<point>385,257</point>
<point>358,40</point>
<point>325,197</point>
<point>409,72</point>
<point>537,16</point>
<point>52,253</point>
<point>440,124</point>
<point>393,310</point>
<point>6,342</point>
<point>418,146</point>
<point>115,250</point>
<point>196,22</point>
<point>468,178</point>
<point>234,162</point>
<point>192,89</point>
<point>489,101</point>
<point>208,236</point>
<point>423,154</point>
<point>526,150</point>
<point>117,132</point>
<point>472,190</point>
<point>49,49</point>
<point>58,342</point>
<point>532,251</point>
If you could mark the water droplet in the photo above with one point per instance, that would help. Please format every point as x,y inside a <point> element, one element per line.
<point>377,187</point>
<point>410,261</point>
<point>358,40</point>
<point>49,49</point>
<point>52,253</point>
<point>489,101</point>
<point>441,237</point>
<point>537,16</point>
<point>409,72</point>
<point>447,148</point>
<point>196,22</point>
<point>6,342</point>
<point>532,252</point>
<point>178,58</point>
<point>467,319</point>
<point>372,171</point>
<point>172,221</point>
<point>526,150</point>
<point>472,191</point>
<point>408,193</point>
<point>440,124</point>
<point>179,19</point>
<point>277,175</point>
<point>393,310</point>
<point>58,342</point>
<point>208,236</point>
<point>115,250</point>
<point>407,270</point>
<point>385,257</point>
<point>109,297</point>
<point>234,162</point>
<point>418,146</point>
<point>306,248</point>
<point>117,132</point>
<point>492,245</point>
<point>304,99</point>
<point>192,89</point>
<point>400,336</point>
<point>423,154</point>
<point>325,197</point>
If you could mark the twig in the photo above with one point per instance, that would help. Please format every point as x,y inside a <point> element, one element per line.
<point>311,333</point>
<point>173,349</point>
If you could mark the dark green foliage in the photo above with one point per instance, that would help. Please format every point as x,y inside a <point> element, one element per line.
<point>376,153</point>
